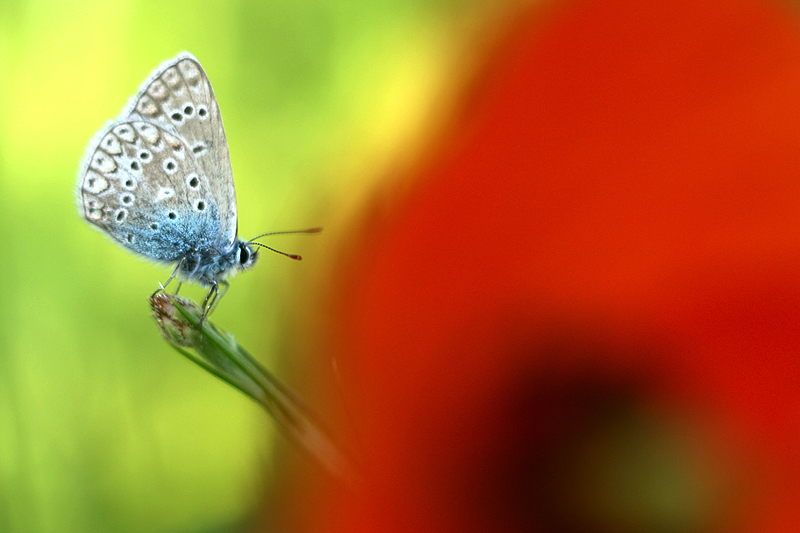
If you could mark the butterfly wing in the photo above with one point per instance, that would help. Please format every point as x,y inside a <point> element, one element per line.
<point>178,97</point>
<point>143,186</point>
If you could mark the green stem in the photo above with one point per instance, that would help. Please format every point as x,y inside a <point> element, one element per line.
<point>218,352</point>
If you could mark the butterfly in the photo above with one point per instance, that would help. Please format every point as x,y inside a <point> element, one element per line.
<point>158,180</point>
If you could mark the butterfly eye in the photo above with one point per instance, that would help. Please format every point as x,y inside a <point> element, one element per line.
<point>244,254</point>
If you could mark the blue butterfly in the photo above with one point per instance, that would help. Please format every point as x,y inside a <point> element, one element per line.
<point>159,180</point>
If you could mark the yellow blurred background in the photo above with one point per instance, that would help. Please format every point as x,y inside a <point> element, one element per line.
<point>102,426</point>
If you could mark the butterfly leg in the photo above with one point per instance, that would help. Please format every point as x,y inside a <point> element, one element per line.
<point>163,287</point>
<point>213,298</point>
<point>213,292</point>
<point>225,286</point>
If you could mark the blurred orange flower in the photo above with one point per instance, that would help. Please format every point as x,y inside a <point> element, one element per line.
<point>586,314</point>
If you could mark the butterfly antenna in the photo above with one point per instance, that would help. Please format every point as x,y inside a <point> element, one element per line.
<point>290,256</point>
<point>310,230</point>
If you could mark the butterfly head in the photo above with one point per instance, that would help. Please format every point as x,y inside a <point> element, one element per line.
<point>246,255</point>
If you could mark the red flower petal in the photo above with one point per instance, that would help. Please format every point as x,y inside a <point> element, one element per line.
<point>586,315</point>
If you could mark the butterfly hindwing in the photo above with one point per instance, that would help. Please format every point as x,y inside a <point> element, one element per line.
<point>142,186</point>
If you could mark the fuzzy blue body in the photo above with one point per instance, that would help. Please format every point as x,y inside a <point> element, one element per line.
<point>209,267</point>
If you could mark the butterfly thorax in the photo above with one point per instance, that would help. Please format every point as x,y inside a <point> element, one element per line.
<point>210,266</point>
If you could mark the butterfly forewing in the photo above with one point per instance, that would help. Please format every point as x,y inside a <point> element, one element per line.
<point>142,185</point>
<point>178,97</point>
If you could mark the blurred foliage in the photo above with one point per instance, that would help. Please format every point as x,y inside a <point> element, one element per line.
<point>102,426</point>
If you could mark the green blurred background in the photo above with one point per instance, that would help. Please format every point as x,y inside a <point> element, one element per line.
<point>102,426</point>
